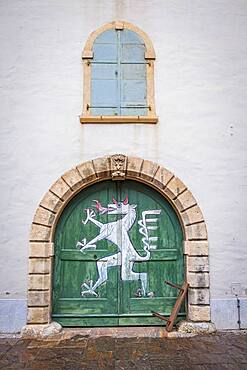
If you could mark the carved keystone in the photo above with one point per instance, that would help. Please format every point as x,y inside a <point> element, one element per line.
<point>118,166</point>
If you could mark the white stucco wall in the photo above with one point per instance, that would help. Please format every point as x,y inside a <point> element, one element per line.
<point>201,94</point>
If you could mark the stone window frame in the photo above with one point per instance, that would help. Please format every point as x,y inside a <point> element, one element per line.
<point>87,56</point>
<point>117,167</point>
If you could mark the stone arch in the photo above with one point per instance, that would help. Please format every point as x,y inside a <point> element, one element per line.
<point>119,25</point>
<point>117,167</point>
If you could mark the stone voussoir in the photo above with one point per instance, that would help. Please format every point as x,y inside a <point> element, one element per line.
<point>51,202</point>
<point>44,217</point>
<point>185,200</point>
<point>102,166</point>
<point>174,188</point>
<point>86,171</point>
<point>192,215</point>
<point>134,165</point>
<point>61,189</point>
<point>73,179</point>
<point>162,177</point>
<point>148,170</point>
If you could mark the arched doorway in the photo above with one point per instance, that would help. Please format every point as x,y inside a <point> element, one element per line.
<point>115,244</point>
<point>115,168</point>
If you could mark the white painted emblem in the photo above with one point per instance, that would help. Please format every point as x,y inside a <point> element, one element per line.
<point>117,232</point>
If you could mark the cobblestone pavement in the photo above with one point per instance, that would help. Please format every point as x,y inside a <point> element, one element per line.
<point>225,350</point>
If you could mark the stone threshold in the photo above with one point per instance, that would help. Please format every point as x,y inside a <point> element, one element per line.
<point>56,331</point>
<point>121,332</point>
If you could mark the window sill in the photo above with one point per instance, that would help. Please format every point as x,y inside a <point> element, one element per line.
<point>118,119</point>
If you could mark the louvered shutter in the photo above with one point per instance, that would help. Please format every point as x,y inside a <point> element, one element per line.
<point>133,75</point>
<point>104,83</point>
<point>118,84</point>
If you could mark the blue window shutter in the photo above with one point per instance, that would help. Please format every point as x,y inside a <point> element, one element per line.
<point>133,75</point>
<point>118,85</point>
<point>104,82</point>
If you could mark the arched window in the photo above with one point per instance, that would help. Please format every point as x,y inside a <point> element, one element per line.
<point>118,76</point>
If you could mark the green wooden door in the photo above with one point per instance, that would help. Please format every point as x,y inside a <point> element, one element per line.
<point>115,244</point>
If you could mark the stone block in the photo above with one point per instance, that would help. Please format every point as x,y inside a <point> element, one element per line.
<point>43,216</point>
<point>192,215</point>
<point>198,280</point>
<point>73,179</point>
<point>38,298</point>
<point>134,165</point>
<point>86,171</point>
<point>39,265</point>
<point>51,202</point>
<point>38,315</point>
<point>198,313</point>
<point>196,231</point>
<point>61,189</point>
<point>40,249</point>
<point>102,166</point>
<point>196,327</point>
<point>197,264</point>
<point>174,188</point>
<point>198,296</point>
<point>162,177</point>
<point>196,248</point>
<point>41,331</point>
<point>39,233</point>
<point>39,282</point>
<point>185,200</point>
<point>148,170</point>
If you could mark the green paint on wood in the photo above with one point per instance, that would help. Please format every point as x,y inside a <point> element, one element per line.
<point>116,301</point>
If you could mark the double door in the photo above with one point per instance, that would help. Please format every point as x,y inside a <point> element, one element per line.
<point>115,244</point>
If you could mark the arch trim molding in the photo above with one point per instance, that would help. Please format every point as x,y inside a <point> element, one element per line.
<point>117,167</point>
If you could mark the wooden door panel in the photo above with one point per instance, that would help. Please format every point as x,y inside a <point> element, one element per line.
<point>76,270</point>
<point>111,264</point>
<point>166,255</point>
